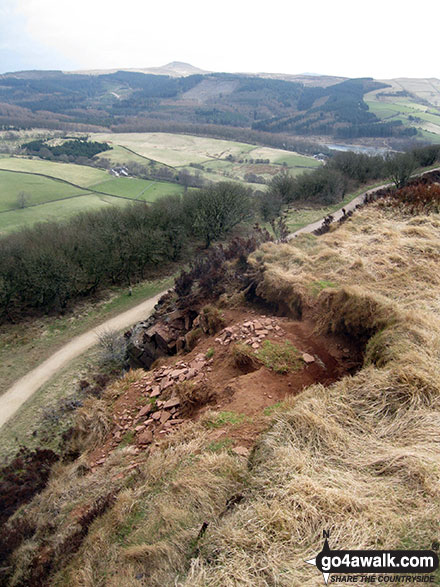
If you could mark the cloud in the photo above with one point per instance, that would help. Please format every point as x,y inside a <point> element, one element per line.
<point>19,51</point>
<point>341,37</point>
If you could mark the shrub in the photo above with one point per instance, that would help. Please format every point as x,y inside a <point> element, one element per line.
<point>211,320</point>
<point>209,353</point>
<point>113,348</point>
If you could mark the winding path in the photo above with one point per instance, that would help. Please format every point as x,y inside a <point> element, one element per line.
<point>350,206</point>
<point>25,387</point>
<point>338,214</point>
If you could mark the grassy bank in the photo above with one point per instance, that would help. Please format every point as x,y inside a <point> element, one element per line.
<point>24,346</point>
<point>43,419</point>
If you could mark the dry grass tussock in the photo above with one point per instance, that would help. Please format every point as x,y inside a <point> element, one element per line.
<point>150,527</point>
<point>152,530</point>
<point>359,459</point>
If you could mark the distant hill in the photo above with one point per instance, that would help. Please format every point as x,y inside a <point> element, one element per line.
<point>159,98</point>
<point>173,69</point>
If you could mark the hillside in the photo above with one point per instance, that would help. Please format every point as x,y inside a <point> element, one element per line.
<point>294,392</point>
<point>158,164</point>
<point>179,94</point>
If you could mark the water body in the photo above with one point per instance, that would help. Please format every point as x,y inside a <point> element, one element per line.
<point>358,149</point>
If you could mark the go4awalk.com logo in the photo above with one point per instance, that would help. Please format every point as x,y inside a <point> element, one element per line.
<point>375,566</point>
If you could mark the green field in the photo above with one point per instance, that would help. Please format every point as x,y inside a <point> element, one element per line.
<point>279,156</point>
<point>49,197</point>
<point>81,175</point>
<point>119,155</point>
<point>175,149</point>
<point>219,159</point>
<point>412,113</point>
<point>60,210</point>
<point>140,189</point>
<point>37,189</point>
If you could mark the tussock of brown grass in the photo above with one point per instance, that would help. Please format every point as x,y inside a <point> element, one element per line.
<point>192,396</point>
<point>353,311</point>
<point>92,424</point>
<point>153,527</point>
<point>149,533</point>
<point>359,459</point>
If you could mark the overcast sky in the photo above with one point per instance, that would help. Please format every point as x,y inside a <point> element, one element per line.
<point>378,38</point>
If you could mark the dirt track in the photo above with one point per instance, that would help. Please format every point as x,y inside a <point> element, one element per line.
<point>338,214</point>
<point>25,387</point>
<point>350,206</point>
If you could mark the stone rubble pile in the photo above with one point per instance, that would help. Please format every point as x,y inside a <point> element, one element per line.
<point>159,416</point>
<point>251,332</point>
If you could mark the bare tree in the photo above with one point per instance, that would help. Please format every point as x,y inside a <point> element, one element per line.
<point>22,200</point>
<point>400,167</point>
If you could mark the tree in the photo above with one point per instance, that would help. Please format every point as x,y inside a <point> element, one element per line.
<point>22,200</point>
<point>400,167</point>
<point>270,203</point>
<point>324,185</point>
<point>427,155</point>
<point>216,210</point>
<point>282,185</point>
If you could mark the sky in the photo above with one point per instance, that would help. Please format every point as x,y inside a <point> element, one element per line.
<point>379,38</point>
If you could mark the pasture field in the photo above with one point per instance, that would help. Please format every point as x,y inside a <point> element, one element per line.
<point>13,220</point>
<point>37,189</point>
<point>175,149</point>
<point>49,198</point>
<point>81,175</point>
<point>122,155</point>
<point>393,107</point>
<point>426,90</point>
<point>139,189</point>
<point>217,160</point>
<point>430,136</point>
<point>279,156</point>
<point>389,110</point>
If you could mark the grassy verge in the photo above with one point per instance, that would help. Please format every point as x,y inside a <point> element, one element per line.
<point>42,420</point>
<point>24,346</point>
<point>301,217</point>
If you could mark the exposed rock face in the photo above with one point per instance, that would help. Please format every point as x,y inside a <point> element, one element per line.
<point>162,334</point>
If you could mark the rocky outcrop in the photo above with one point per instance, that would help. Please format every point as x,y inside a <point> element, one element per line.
<point>163,334</point>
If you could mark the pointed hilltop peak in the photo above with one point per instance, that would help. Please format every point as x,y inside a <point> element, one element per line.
<point>181,68</point>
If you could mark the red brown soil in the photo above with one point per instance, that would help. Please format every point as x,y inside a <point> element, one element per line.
<point>230,389</point>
